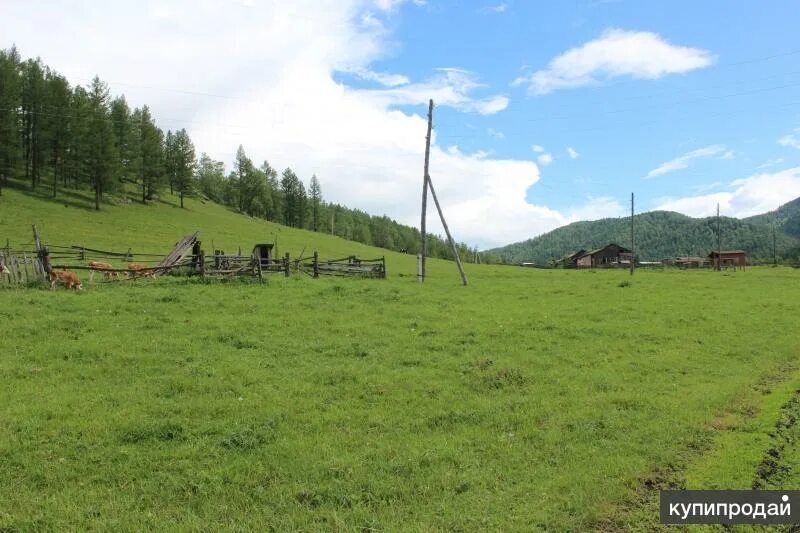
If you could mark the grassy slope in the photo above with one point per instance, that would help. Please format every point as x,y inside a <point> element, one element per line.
<point>531,398</point>
<point>71,220</point>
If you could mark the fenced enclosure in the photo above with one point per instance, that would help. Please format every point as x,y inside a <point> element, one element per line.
<point>346,266</point>
<point>24,266</point>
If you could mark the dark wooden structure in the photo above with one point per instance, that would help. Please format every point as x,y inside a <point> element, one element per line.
<point>346,266</point>
<point>692,261</point>
<point>728,259</point>
<point>571,260</point>
<point>610,255</point>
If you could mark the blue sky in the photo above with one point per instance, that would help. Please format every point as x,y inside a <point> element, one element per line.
<point>547,112</point>
<point>622,128</point>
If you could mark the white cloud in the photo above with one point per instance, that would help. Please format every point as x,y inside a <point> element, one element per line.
<point>451,87</point>
<point>683,161</point>
<point>545,159</point>
<point>537,148</point>
<point>573,154</point>
<point>749,196</point>
<point>638,54</point>
<point>790,140</point>
<point>496,134</point>
<point>264,75</point>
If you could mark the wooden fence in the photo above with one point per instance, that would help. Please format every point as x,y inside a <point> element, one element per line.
<point>27,266</point>
<point>21,267</point>
<point>346,266</point>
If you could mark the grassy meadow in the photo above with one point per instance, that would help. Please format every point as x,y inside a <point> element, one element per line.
<point>530,400</point>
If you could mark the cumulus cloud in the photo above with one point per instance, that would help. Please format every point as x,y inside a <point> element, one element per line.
<point>682,162</point>
<point>573,153</point>
<point>756,194</point>
<point>616,53</point>
<point>265,75</point>
<point>537,148</point>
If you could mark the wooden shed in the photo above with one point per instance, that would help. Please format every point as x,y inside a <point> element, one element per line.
<point>263,254</point>
<point>728,258</point>
<point>610,255</point>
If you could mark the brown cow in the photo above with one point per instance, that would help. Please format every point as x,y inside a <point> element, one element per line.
<point>67,278</point>
<point>141,267</point>
<point>99,266</point>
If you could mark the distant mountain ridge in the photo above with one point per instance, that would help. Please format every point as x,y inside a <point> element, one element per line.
<point>665,234</point>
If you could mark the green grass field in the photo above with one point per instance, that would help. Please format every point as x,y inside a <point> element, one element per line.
<point>530,400</point>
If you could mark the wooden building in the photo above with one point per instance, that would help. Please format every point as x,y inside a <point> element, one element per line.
<point>611,255</point>
<point>728,258</point>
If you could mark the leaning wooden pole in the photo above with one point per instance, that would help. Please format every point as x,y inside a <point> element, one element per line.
<point>633,247</point>
<point>425,181</point>
<point>447,231</point>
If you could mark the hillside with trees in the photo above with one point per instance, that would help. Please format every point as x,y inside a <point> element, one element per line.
<point>58,138</point>
<point>664,234</point>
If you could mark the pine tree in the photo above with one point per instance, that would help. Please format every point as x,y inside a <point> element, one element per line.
<point>33,113</point>
<point>10,95</point>
<point>150,157</point>
<point>57,119</point>
<point>315,195</point>
<point>170,160</point>
<point>101,150</point>
<point>185,164</point>
<point>123,137</point>
<point>240,168</point>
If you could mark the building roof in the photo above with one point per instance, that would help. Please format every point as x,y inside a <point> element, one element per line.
<point>592,252</point>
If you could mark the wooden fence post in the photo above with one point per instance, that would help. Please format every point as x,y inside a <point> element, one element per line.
<point>383,260</point>
<point>286,264</point>
<point>45,260</point>
<point>316,264</point>
<point>202,260</point>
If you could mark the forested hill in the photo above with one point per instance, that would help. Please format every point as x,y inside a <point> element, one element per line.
<point>665,234</point>
<point>59,139</point>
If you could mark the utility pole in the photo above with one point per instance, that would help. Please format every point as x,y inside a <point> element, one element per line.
<point>447,231</point>
<point>774,248</point>
<point>633,249</point>
<point>719,242</point>
<point>425,178</point>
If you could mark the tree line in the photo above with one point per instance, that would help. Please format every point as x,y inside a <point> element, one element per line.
<point>664,235</point>
<point>57,137</point>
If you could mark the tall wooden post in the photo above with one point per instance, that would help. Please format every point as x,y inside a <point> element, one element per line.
<point>774,247</point>
<point>719,242</point>
<point>286,264</point>
<point>201,260</point>
<point>447,231</point>
<point>425,179</point>
<point>316,264</point>
<point>633,249</point>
